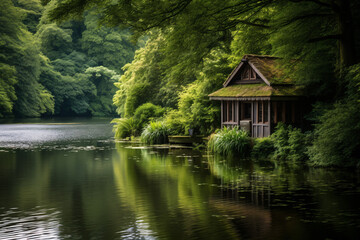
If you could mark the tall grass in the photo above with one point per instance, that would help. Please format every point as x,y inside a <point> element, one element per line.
<point>124,127</point>
<point>230,141</point>
<point>155,133</point>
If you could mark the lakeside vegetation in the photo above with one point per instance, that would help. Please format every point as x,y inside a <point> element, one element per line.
<point>166,57</point>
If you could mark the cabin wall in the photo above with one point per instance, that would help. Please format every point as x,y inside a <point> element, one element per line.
<point>261,119</point>
<point>233,112</point>
<point>263,114</point>
<point>288,112</point>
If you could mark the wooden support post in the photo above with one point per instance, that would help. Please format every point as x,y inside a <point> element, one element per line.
<point>239,112</point>
<point>275,112</point>
<point>269,116</point>
<point>253,112</point>
<point>233,117</point>
<point>227,111</point>
<point>284,112</point>
<point>242,111</point>
<point>222,113</point>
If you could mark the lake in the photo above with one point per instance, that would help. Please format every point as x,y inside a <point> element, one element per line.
<point>69,179</point>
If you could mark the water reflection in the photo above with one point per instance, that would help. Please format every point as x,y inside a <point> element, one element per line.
<point>176,196</point>
<point>311,202</point>
<point>32,224</point>
<point>94,189</point>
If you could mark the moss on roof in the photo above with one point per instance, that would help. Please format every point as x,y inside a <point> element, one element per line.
<point>270,68</point>
<point>257,90</point>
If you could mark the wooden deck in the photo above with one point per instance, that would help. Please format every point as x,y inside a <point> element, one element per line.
<point>186,139</point>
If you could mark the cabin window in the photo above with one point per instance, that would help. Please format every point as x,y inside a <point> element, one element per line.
<point>230,111</point>
<point>248,74</point>
<point>284,112</point>
<point>263,113</point>
<point>288,112</point>
<point>266,111</point>
<point>246,111</point>
<point>260,112</point>
<point>280,112</point>
<point>229,114</point>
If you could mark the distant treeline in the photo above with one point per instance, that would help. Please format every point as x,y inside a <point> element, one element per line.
<point>58,69</point>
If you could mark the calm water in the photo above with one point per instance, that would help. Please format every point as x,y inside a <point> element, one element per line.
<point>70,180</point>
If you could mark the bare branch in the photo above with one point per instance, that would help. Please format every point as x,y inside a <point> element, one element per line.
<point>327,37</point>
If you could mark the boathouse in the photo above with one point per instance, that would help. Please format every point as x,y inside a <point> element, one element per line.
<point>257,95</point>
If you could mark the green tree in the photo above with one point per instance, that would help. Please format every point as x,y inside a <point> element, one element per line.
<point>216,17</point>
<point>142,79</point>
<point>56,42</point>
<point>9,43</point>
<point>32,10</point>
<point>337,138</point>
<point>21,57</point>
<point>103,80</point>
<point>110,47</point>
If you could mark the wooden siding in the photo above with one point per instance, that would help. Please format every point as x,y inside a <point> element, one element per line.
<point>262,125</point>
<point>260,128</point>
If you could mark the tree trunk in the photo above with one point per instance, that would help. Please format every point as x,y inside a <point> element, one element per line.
<point>347,42</point>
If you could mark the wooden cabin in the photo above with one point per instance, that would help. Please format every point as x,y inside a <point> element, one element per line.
<point>257,95</point>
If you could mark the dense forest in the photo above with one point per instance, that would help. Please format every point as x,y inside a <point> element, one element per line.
<point>66,69</point>
<point>162,58</point>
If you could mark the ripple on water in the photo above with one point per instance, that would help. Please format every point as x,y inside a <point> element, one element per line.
<point>37,223</point>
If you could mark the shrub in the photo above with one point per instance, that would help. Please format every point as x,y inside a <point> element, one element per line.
<point>337,137</point>
<point>263,148</point>
<point>176,122</point>
<point>230,141</point>
<point>125,127</point>
<point>148,112</point>
<point>290,143</point>
<point>155,133</point>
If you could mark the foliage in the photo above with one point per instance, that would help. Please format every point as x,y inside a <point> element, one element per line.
<point>32,10</point>
<point>290,143</point>
<point>124,127</point>
<point>194,105</point>
<point>142,78</point>
<point>110,47</point>
<point>7,89</point>
<point>309,61</point>
<point>79,63</point>
<point>263,148</point>
<point>337,138</point>
<point>103,79</point>
<point>249,39</point>
<point>56,42</point>
<point>176,122</point>
<point>19,59</point>
<point>72,94</point>
<point>156,133</point>
<point>230,141</point>
<point>144,82</point>
<point>148,112</point>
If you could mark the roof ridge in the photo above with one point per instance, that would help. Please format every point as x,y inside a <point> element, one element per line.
<point>259,56</point>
